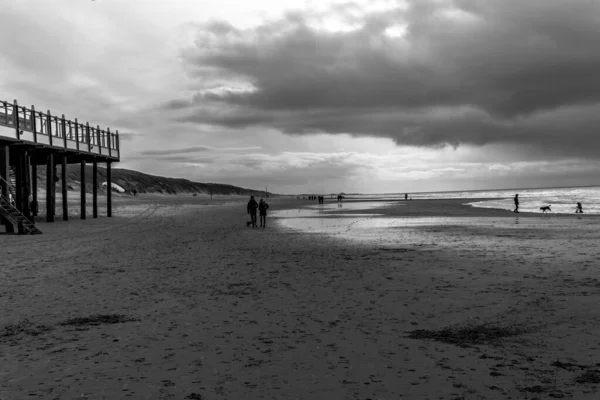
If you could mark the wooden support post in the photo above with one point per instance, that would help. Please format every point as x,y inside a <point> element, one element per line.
<point>26,185</point>
<point>63,178</point>
<point>95,189</point>
<point>4,168</point>
<point>19,184</point>
<point>54,187</point>
<point>34,199</point>
<point>27,171</point>
<point>108,190</point>
<point>82,189</point>
<point>50,188</point>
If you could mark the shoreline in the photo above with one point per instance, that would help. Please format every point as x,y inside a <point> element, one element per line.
<point>223,311</point>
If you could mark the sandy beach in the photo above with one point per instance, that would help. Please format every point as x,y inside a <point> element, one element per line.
<point>175,298</point>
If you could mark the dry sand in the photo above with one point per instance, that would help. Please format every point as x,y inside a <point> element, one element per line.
<point>198,306</point>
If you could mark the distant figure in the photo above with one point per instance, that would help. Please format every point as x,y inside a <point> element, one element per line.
<point>516,203</point>
<point>579,209</point>
<point>134,192</point>
<point>406,197</point>
<point>545,208</point>
<point>252,206</point>
<point>262,210</point>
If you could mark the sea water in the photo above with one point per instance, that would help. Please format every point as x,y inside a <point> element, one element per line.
<point>561,200</point>
<point>346,220</point>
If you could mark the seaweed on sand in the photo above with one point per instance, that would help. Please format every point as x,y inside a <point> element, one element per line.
<point>194,396</point>
<point>98,319</point>
<point>26,327</point>
<point>590,376</point>
<point>469,335</point>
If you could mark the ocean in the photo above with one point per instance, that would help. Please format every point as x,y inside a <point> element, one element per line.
<point>561,200</point>
<point>348,222</point>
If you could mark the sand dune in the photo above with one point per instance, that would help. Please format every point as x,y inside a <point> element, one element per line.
<point>174,298</point>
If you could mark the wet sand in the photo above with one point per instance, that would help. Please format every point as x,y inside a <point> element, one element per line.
<point>198,306</point>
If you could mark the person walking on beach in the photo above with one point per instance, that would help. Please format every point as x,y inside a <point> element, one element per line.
<point>262,210</point>
<point>579,209</point>
<point>405,196</point>
<point>252,206</point>
<point>516,203</point>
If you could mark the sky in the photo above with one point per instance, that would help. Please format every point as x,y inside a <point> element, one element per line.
<point>368,96</point>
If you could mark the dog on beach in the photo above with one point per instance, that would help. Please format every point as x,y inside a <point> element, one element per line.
<point>248,223</point>
<point>545,208</point>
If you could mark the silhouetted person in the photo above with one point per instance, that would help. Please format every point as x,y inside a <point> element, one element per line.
<point>406,197</point>
<point>252,206</point>
<point>516,203</point>
<point>579,209</point>
<point>134,192</point>
<point>262,210</point>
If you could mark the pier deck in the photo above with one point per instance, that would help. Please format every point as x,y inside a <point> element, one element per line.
<point>29,138</point>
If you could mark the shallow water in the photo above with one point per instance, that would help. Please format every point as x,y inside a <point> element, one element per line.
<point>331,220</point>
<point>562,200</point>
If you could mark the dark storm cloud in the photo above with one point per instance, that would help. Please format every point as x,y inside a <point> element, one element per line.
<point>193,149</point>
<point>466,71</point>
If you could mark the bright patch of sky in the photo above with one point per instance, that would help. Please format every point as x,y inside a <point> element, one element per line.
<point>321,96</point>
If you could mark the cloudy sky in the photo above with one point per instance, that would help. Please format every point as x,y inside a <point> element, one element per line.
<point>322,96</point>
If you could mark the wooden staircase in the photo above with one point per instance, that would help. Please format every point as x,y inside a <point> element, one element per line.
<point>12,214</point>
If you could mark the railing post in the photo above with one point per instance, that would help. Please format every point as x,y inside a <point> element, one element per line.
<point>98,143</point>
<point>108,144</point>
<point>87,136</point>
<point>117,143</point>
<point>57,130</point>
<point>64,131</point>
<point>33,124</point>
<point>16,118</point>
<point>77,133</point>
<point>49,126</point>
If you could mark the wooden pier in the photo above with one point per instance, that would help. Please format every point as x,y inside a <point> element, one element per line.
<point>29,138</point>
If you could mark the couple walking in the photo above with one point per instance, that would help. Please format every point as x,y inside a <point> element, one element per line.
<point>262,207</point>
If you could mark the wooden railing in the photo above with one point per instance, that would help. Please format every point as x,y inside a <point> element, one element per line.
<point>58,130</point>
